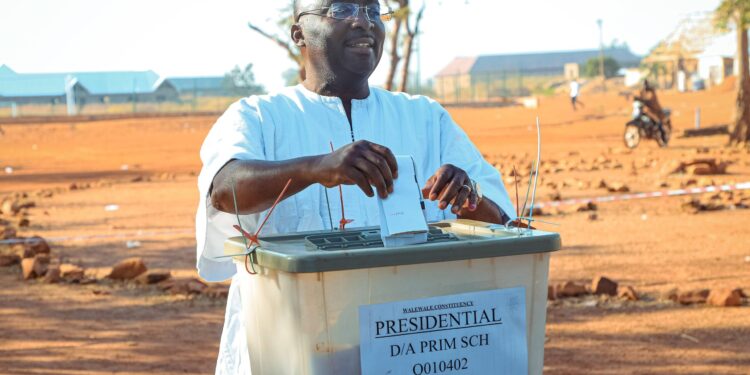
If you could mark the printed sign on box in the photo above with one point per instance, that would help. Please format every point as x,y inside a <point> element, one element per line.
<point>472,333</point>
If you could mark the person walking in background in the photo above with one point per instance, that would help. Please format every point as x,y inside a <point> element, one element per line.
<point>575,89</point>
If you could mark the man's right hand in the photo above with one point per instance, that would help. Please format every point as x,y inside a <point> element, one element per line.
<point>361,163</point>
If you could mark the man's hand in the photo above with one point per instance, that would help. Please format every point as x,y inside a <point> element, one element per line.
<point>361,163</point>
<point>451,185</point>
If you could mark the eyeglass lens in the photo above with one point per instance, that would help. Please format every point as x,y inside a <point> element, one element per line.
<point>345,11</point>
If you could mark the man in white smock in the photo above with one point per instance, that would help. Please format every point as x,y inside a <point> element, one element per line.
<point>263,141</point>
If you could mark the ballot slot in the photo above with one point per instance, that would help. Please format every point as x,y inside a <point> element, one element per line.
<point>364,239</point>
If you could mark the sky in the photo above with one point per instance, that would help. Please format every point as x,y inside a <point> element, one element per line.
<point>199,37</point>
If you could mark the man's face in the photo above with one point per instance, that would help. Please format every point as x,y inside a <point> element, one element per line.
<point>347,47</point>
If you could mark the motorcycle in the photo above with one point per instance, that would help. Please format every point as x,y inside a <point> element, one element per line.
<point>642,126</point>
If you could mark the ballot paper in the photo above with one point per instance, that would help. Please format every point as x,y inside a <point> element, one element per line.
<point>402,220</point>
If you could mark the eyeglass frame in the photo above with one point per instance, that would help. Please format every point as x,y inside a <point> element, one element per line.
<point>384,17</point>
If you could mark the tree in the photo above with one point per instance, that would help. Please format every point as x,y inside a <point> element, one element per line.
<point>284,24</point>
<point>408,47</point>
<point>591,69</point>
<point>241,82</point>
<point>402,40</point>
<point>395,36</point>
<point>737,13</point>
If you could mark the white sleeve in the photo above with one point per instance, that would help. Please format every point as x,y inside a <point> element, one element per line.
<point>457,149</point>
<point>237,134</point>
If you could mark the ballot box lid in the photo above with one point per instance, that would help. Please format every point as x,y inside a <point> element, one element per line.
<point>358,248</point>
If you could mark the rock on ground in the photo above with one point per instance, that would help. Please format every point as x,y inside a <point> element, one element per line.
<point>37,245</point>
<point>590,206</point>
<point>153,277</point>
<point>602,285</point>
<point>216,291</point>
<point>693,297</point>
<point>183,286</point>
<point>618,187</point>
<point>97,273</point>
<point>13,207</point>
<point>570,289</point>
<point>701,167</point>
<point>71,272</point>
<point>32,268</point>
<point>7,260</point>
<point>53,275</point>
<point>24,222</point>
<point>127,269</point>
<point>551,296</point>
<point>30,247</point>
<point>725,298</point>
<point>7,232</point>
<point>629,293</point>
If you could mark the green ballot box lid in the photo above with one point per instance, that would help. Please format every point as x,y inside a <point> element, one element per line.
<point>358,248</point>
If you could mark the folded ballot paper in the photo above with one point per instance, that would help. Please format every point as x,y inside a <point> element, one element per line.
<point>402,220</point>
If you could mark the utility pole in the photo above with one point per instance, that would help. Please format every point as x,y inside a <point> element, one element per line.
<point>601,56</point>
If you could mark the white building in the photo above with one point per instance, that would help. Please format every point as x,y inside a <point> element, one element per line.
<point>718,60</point>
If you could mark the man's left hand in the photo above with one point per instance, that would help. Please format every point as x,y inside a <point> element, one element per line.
<point>451,185</point>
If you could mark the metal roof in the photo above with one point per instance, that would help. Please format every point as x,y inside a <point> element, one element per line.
<point>459,66</point>
<point>96,83</point>
<point>538,62</point>
<point>6,71</point>
<point>533,62</point>
<point>187,84</point>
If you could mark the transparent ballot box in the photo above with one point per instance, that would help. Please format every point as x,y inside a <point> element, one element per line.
<point>301,309</point>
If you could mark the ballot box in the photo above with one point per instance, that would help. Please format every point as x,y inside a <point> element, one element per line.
<point>471,300</point>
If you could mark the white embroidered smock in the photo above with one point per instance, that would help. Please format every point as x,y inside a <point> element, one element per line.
<point>296,122</point>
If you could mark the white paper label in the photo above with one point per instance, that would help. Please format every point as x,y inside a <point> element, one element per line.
<point>472,333</point>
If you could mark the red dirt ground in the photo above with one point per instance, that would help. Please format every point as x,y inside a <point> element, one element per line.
<point>653,245</point>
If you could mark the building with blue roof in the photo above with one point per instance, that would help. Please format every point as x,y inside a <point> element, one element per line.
<point>102,87</point>
<point>200,86</point>
<point>466,78</point>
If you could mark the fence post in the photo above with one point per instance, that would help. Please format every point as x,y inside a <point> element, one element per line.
<point>505,84</point>
<point>473,88</point>
<point>698,117</point>
<point>195,95</point>
<point>134,95</point>
<point>489,86</point>
<point>457,82</point>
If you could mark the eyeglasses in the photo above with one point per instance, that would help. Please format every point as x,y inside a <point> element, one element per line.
<point>350,11</point>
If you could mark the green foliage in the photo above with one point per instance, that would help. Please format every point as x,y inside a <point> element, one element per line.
<point>733,12</point>
<point>616,43</point>
<point>241,82</point>
<point>591,68</point>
